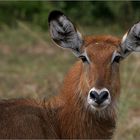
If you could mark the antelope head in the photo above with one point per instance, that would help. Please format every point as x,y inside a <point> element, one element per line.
<point>101,57</point>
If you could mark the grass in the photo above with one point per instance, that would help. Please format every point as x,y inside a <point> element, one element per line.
<point>129,106</point>
<point>31,66</point>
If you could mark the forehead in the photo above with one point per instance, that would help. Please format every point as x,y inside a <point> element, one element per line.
<point>101,48</point>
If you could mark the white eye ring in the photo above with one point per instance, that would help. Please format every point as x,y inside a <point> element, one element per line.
<point>84,57</point>
<point>116,57</point>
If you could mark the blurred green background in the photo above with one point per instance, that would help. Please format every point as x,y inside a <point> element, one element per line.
<point>32,66</point>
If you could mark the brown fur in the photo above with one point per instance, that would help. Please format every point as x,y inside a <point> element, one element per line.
<point>68,115</point>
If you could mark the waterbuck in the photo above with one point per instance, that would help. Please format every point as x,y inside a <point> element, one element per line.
<point>86,104</point>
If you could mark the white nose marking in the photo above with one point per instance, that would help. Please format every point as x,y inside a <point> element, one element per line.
<point>99,90</point>
<point>93,103</point>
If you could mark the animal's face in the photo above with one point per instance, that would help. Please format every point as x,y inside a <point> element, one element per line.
<point>101,71</point>
<point>100,55</point>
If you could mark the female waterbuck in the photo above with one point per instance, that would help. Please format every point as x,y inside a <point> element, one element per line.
<point>86,105</point>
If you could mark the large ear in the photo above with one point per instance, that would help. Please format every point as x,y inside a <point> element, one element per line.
<point>64,33</point>
<point>131,40</point>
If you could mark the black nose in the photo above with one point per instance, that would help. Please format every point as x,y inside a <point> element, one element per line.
<point>99,97</point>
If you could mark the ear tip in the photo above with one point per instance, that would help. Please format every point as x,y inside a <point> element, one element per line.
<point>54,15</point>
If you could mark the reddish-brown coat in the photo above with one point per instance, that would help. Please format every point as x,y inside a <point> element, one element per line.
<point>67,115</point>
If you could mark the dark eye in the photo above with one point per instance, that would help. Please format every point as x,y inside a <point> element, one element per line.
<point>83,58</point>
<point>116,57</point>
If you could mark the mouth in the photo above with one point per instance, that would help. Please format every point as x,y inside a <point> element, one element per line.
<point>96,106</point>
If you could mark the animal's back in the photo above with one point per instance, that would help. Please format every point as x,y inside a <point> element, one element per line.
<point>26,119</point>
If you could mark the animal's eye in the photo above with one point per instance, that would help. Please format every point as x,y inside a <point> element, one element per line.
<point>83,58</point>
<point>116,57</point>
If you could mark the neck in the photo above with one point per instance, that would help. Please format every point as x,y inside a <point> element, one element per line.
<point>78,120</point>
